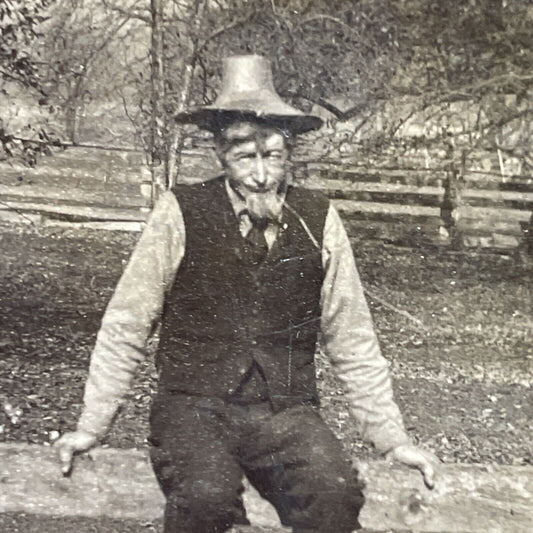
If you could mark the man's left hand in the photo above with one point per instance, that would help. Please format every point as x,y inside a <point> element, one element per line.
<point>426,461</point>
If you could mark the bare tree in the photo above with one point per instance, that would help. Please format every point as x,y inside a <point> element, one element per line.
<point>20,81</point>
<point>79,55</point>
<point>355,59</point>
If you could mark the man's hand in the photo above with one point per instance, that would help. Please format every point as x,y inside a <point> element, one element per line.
<point>72,443</point>
<point>416,457</point>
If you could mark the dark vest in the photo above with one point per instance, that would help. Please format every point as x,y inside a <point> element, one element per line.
<point>224,313</point>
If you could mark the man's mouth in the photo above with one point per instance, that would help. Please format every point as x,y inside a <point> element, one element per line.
<point>259,190</point>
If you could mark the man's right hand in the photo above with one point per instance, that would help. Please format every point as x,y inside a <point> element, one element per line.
<point>70,444</point>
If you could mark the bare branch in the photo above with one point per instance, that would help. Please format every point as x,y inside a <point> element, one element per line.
<point>322,16</point>
<point>219,31</point>
<point>127,13</point>
<point>328,106</point>
<point>131,118</point>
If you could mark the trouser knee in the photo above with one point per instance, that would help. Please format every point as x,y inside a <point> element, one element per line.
<point>202,507</point>
<point>331,504</point>
<point>337,510</point>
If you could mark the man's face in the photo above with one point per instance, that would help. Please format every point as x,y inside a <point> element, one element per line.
<point>254,157</point>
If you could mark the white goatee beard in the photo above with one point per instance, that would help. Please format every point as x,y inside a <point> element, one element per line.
<point>265,204</point>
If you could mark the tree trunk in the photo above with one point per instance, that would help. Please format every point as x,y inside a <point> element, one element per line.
<point>173,161</point>
<point>157,91</point>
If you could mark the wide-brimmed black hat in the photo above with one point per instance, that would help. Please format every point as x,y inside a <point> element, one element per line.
<point>248,94</point>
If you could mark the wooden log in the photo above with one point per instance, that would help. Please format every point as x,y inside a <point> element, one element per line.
<point>494,241</point>
<point>75,213</point>
<point>393,193</point>
<point>480,180</point>
<point>107,225</point>
<point>495,214</point>
<point>504,199</point>
<point>120,484</point>
<point>99,166</point>
<point>337,184</point>
<point>524,204</point>
<point>103,195</point>
<point>399,177</point>
<point>388,197</point>
<point>408,211</point>
<point>469,498</point>
<point>485,227</point>
<point>516,186</point>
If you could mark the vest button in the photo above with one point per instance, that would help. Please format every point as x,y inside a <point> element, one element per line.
<point>254,342</point>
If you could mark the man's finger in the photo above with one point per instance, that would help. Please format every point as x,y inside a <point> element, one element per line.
<point>66,453</point>
<point>425,464</point>
<point>429,474</point>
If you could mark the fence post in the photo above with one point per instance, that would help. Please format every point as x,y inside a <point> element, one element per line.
<point>524,251</point>
<point>452,200</point>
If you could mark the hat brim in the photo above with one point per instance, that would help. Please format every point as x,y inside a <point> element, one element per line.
<point>216,119</point>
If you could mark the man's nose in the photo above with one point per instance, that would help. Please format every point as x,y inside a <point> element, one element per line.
<point>260,176</point>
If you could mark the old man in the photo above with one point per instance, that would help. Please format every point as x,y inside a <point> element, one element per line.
<point>245,271</point>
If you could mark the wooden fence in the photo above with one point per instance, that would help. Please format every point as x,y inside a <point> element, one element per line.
<point>444,206</point>
<point>410,206</point>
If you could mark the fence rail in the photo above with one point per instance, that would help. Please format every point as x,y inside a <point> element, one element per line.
<point>406,205</point>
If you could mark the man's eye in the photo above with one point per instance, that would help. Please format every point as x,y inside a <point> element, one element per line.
<point>247,156</point>
<point>274,154</point>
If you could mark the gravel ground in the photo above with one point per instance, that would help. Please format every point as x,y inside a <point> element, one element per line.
<point>23,523</point>
<point>456,328</point>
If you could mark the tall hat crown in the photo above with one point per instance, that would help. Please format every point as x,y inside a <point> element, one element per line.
<point>248,94</point>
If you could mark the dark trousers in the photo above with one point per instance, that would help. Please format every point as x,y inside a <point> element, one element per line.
<point>201,447</point>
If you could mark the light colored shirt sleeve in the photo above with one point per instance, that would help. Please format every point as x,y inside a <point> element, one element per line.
<point>131,314</point>
<point>350,341</point>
